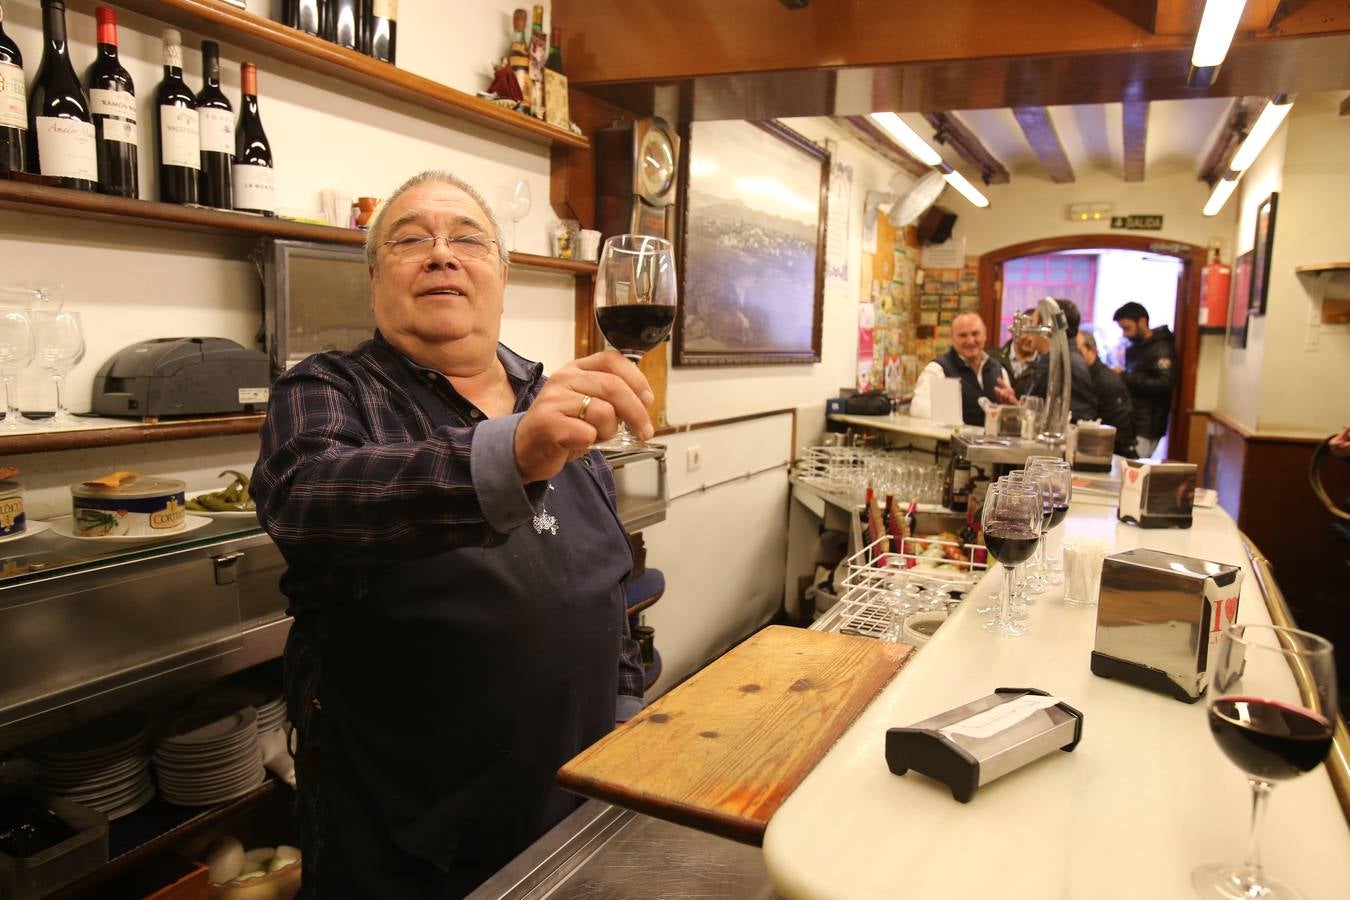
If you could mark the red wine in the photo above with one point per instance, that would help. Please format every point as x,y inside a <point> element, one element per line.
<point>62,141</point>
<point>635,328</point>
<point>254,177</point>
<point>112,101</point>
<point>216,116</point>
<point>180,142</point>
<point>382,29</point>
<point>1057,515</point>
<point>13,104</point>
<point>1267,739</point>
<point>1010,545</point>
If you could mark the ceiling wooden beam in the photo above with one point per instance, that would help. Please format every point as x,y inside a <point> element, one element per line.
<point>1044,140</point>
<point>952,131</point>
<point>1134,128</point>
<point>1345,106</point>
<point>1242,112</point>
<point>870,135</point>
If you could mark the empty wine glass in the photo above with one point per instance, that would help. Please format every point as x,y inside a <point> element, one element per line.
<point>517,204</point>
<point>16,354</point>
<point>58,346</point>
<point>1272,711</point>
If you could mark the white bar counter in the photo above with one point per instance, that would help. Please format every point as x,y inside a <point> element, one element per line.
<point>1146,796</point>
<point>897,423</point>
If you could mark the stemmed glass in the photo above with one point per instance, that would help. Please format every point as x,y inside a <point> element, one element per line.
<point>1060,476</point>
<point>1272,711</point>
<point>517,204</point>
<point>16,353</point>
<point>1012,526</point>
<point>58,343</point>
<point>635,301</point>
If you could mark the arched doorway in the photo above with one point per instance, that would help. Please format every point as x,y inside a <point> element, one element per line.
<point>1187,318</point>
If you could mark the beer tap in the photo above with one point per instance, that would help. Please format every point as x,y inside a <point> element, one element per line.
<point>1049,321</point>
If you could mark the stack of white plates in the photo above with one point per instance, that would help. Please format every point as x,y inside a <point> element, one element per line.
<point>271,714</point>
<point>102,765</point>
<point>209,754</point>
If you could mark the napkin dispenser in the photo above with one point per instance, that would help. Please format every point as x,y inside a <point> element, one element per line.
<point>1156,495</point>
<point>1159,617</point>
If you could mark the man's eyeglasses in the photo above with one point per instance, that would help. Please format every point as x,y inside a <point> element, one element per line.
<point>419,249</point>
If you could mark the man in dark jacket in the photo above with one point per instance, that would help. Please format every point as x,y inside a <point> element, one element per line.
<point>1082,398</point>
<point>1113,397</point>
<point>1150,374</point>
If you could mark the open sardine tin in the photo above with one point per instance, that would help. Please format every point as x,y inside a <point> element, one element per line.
<point>141,506</point>
<point>1159,617</point>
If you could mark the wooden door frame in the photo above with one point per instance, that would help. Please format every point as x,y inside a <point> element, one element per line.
<point>1186,320</point>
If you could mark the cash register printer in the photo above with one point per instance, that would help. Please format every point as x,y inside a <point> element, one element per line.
<point>181,377</point>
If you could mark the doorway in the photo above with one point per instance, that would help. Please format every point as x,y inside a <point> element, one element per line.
<point>1101,272</point>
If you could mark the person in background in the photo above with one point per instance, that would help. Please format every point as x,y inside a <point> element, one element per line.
<point>455,566</point>
<point>1082,396</point>
<point>981,374</point>
<point>1149,373</point>
<point>1019,357</point>
<point>1113,398</point>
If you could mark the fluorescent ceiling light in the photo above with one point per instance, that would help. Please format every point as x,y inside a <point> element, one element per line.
<point>1223,189</point>
<point>1217,26</point>
<point>968,190</point>
<point>908,138</point>
<point>1266,125</point>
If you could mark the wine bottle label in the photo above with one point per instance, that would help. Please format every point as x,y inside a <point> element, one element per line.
<point>180,141</point>
<point>254,187</point>
<point>119,130</point>
<point>66,148</point>
<point>217,130</point>
<point>13,97</point>
<point>121,104</point>
<point>386,9</point>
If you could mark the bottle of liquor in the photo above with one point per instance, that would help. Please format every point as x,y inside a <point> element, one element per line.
<point>304,15</point>
<point>555,84</point>
<point>217,129</point>
<point>344,28</point>
<point>112,102</point>
<point>13,104</point>
<point>180,143</point>
<point>254,177</point>
<point>538,54</point>
<point>519,57</point>
<point>61,137</point>
<point>382,27</point>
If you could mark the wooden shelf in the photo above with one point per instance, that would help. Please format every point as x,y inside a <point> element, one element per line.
<point>214,19</point>
<point>1315,268</point>
<point>141,433</point>
<point>39,198</point>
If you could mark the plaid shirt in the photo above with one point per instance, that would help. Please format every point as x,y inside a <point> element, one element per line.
<point>355,474</point>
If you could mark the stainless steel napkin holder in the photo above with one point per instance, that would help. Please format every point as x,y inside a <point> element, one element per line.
<point>1159,617</point>
<point>965,763</point>
<point>1157,495</point>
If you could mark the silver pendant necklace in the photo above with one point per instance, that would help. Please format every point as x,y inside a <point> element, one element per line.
<point>544,520</point>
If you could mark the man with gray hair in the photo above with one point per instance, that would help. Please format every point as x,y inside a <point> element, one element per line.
<point>1113,397</point>
<point>455,566</point>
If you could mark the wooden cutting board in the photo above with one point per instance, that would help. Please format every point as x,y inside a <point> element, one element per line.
<point>722,751</point>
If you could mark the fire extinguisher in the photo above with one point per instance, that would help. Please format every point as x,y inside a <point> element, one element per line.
<point>1215,279</point>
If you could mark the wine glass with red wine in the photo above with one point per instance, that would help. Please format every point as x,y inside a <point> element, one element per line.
<point>1012,529</point>
<point>635,299</point>
<point>1272,711</point>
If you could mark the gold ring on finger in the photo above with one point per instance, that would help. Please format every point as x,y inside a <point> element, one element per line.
<point>585,405</point>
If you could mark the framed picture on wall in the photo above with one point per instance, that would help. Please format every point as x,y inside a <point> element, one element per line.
<point>752,245</point>
<point>1262,244</point>
<point>1237,303</point>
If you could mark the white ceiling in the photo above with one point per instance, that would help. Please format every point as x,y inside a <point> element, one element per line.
<point>1180,133</point>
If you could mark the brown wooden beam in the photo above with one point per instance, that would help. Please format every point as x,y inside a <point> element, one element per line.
<point>1242,112</point>
<point>1134,125</point>
<point>951,130</point>
<point>1345,106</point>
<point>871,136</point>
<point>1044,140</point>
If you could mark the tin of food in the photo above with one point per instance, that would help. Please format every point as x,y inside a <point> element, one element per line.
<point>141,505</point>
<point>12,518</point>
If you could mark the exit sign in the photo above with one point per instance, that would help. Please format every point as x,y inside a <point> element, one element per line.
<point>1137,223</point>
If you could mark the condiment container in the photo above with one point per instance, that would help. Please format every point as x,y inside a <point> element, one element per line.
<point>12,518</point>
<point>144,505</point>
<point>30,877</point>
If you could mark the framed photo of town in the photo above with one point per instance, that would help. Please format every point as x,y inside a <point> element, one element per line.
<point>1262,246</point>
<point>753,206</point>
<point>1237,304</point>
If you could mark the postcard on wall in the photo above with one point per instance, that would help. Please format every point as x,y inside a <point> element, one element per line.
<point>945,318</point>
<point>928,318</point>
<point>970,301</point>
<point>951,301</point>
<point>836,223</point>
<point>930,301</point>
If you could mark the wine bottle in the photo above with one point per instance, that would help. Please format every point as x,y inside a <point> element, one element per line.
<point>61,137</point>
<point>216,118</point>
<point>180,142</point>
<point>13,104</point>
<point>518,58</point>
<point>112,102</point>
<point>383,29</point>
<point>538,54</point>
<point>254,177</point>
<point>343,24</point>
<point>556,111</point>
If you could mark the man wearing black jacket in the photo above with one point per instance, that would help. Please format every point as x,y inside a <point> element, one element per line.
<point>1113,397</point>
<point>1150,374</point>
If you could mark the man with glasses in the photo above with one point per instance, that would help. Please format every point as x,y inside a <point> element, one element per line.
<point>455,566</point>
